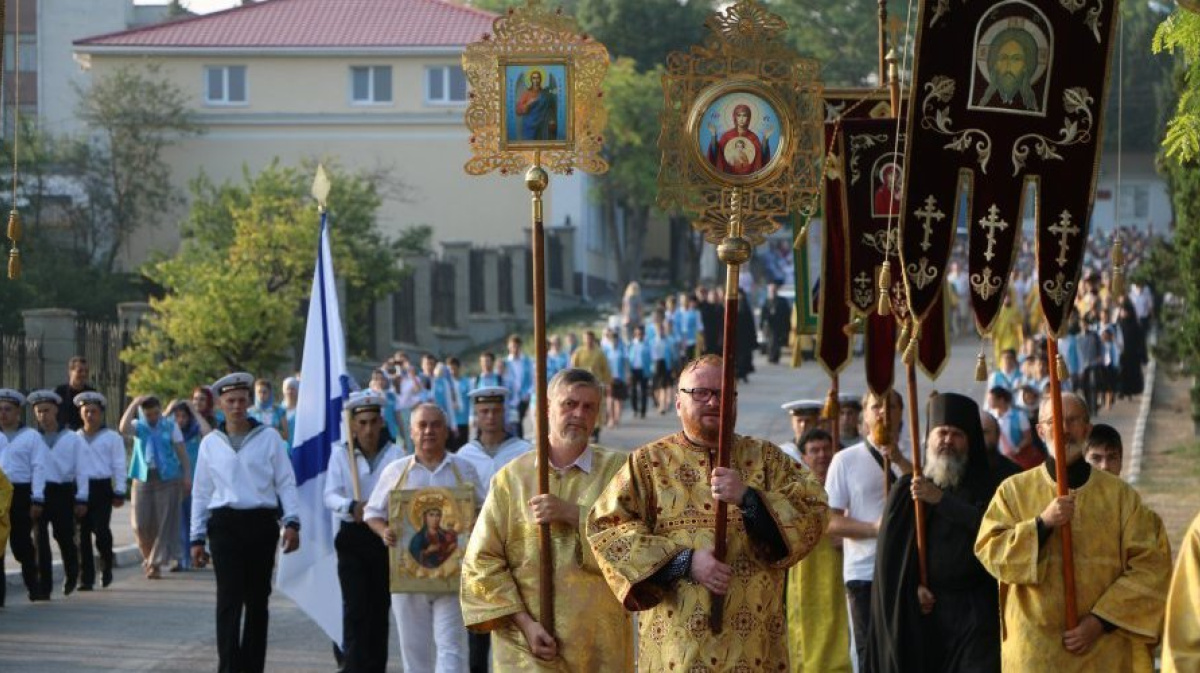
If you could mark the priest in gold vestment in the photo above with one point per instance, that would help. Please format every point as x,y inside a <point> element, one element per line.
<point>652,531</point>
<point>1121,554</point>
<point>499,592</point>
<point>1181,644</point>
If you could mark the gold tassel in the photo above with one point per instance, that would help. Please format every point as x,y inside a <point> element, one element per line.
<point>14,235</point>
<point>1063,373</point>
<point>830,412</point>
<point>910,352</point>
<point>1118,274</point>
<point>879,433</point>
<point>981,368</point>
<point>902,341</point>
<point>885,287</point>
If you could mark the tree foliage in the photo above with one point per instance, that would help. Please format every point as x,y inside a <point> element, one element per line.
<point>1179,34</point>
<point>842,35</point>
<point>132,115</point>
<point>237,290</point>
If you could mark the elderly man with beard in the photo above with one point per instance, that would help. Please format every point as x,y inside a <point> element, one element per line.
<point>652,531</point>
<point>1122,562</point>
<point>951,624</point>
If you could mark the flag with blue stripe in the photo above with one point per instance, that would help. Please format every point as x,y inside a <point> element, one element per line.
<point>309,575</point>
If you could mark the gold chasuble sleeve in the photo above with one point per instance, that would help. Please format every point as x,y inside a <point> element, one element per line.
<point>501,565</point>
<point>1122,563</point>
<point>660,504</point>
<point>1181,644</point>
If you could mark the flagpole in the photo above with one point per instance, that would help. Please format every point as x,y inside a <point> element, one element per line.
<point>1060,478</point>
<point>536,179</point>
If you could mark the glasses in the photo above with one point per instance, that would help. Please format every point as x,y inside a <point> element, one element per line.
<point>703,395</point>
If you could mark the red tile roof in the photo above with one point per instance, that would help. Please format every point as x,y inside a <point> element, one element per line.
<point>319,24</point>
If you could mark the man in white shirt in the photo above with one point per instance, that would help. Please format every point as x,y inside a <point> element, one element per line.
<point>362,558</point>
<point>104,463</point>
<point>60,492</point>
<point>242,475</point>
<point>856,498</point>
<point>493,447</point>
<point>433,638</point>
<point>17,462</point>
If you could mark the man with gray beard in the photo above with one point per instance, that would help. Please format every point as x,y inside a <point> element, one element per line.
<point>952,622</point>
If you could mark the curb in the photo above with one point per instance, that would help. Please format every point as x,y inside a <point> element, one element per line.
<point>123,557</point>
<point>1139,431</point>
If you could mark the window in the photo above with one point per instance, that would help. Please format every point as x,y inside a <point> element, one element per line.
<point>225,85</point>
<point>28,53</point>
<point>445,85</point>
<point>1135,202</point>
<point>371,84</point>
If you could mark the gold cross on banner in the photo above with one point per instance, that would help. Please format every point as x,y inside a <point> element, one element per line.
<point>1064,230</point>
<point>928,215</point>
<point>990,224</point>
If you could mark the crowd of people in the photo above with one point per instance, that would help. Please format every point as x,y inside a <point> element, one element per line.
<point>824,568</point>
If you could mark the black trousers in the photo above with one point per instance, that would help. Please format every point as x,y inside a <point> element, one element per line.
<point>98,524</point>
<point>366,601</point>
<point>859,593</point>
<point>243,545</point>
<point>59,512</point>
<point>479,647</point>
<point>21,538</point>
<point>637,391</point>
<point>522,411</point>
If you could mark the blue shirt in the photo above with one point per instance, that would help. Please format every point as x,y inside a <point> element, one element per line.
<point>155,444</point>
<point>618,361</point>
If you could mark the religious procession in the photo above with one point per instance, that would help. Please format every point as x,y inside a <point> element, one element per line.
<point>730,362</point>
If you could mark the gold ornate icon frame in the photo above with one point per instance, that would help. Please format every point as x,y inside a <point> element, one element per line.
<point>534,35</point>
<point>744,52</point>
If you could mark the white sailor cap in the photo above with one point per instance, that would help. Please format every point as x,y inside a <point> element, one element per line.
<point>803,407</point>
<point>850,400</point>
<point>43,396</point>
<point>484,394</point>
<point>365,400</point>
<point>12,396</point>
<point>90,397</point>
<point>237,381</point>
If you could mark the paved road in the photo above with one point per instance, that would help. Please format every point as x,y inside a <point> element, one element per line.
<point>167,625</point>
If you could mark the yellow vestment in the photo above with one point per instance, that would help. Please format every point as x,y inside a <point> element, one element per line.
<point>1007,331</point>
<point>818,629</point>
<point>659,505</point>
<point>500,573</point>
<point>1181,643</point>
<point>1122,563</point>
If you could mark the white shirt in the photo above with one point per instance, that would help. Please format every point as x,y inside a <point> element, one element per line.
<point>17,458</point>
<point>421,477</point>
<point>409,394</point>
<point>855,485</point>
<point>486,464</point>
<point>104,457</point>
<point>60,464</point>
<point>339,489</point>
<point>792,451</point>
<point>259,476</point>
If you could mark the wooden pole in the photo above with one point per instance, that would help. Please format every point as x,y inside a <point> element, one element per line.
<point>914,423</point>
<point>835,423</point>
<point>536,179</point>
<point>1060,478</point>
<point>734,251</point>
<point>353,464</point>
<point>883,41</point>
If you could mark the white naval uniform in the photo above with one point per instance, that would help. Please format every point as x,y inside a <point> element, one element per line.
<point>60,464</point>
<point>433,638</point>
<point>339,490</point>
<point>258,476</point>
<point>790,449</point>
<point>17,459</point>
<point>103,457</point>
<point>486,464</point>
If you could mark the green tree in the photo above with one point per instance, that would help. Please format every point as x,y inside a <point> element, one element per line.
<point>235,294</point>
<point>133,115</point>
<point>842,34</point>
<point>1146,92</point>
<point>645,30</point>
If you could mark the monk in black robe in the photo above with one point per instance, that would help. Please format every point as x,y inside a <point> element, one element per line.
<point>951,625</point>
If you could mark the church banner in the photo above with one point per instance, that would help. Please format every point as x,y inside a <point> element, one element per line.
<point>1005,94</point>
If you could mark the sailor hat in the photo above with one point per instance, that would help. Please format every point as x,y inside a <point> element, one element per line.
<point>42,396</point>
<point>803,407</point>
<point>90,397</point>
<point>485,394</point>
<point>850,400</point>
<point>365,400</point>
<point>13,396</point>
<point>238,381</point>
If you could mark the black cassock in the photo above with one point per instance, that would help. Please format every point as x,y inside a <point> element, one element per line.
<point>962,633</point>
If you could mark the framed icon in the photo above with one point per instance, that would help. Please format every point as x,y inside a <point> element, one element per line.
<point>537,105</point>
<point>432,526</point>
<point>740,136</point>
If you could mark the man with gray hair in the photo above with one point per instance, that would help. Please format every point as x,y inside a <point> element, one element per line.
<point>432,635</point>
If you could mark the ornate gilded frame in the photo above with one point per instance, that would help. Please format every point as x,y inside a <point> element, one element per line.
<point>534,34</point>
<point>745,49</point>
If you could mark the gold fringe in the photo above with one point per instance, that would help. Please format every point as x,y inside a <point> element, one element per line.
<point>981,368</point>
<point>885,287</point>
<point>830,412</point>
<point>1063,373</point>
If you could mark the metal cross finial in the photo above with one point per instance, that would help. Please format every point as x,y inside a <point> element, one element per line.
<point>1064,230</point>
<point>928,215</point>
<point>990,224</point>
